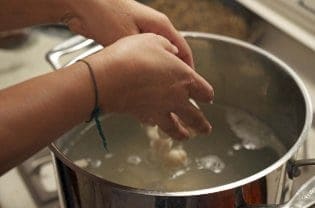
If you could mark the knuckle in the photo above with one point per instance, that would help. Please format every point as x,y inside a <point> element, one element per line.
<point>134,31</point>
<point>150,35</point>
<point>164,19</point>
<point>189,81</point>
<point>159,38</point>
<point>154,37</point>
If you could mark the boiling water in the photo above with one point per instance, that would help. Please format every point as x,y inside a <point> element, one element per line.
<point>239,146</point>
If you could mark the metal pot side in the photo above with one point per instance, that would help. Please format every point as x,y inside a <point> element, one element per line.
<point>243,75</point>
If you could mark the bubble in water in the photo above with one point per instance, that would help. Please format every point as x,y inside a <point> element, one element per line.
<point>96,163</point>
<point>210,162</point>
<point>249,145</point>
<point>83,163</point>
<point>230,153</point>
<point>237,147</point>
<point>134,159</point>
<point>178,173</point>
<point>120,169</point>
<point>252,132</point>
<point>108,155</point>
<point>176,157</point>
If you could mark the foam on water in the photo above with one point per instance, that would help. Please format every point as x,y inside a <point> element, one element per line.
<point>210,162</point>
<point>253,133</point>
<point>134,160</point>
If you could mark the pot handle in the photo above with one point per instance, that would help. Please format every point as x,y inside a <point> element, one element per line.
<point>303,198</point>
<point>293,166</point>
<point>71,45</point>
<point>75,44</point>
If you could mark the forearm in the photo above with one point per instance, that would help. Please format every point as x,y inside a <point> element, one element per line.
<point>34,113</point>
<point>17,14</point>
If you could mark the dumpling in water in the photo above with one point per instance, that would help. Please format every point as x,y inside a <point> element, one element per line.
<point>176,157</point>
<point>162,148</point>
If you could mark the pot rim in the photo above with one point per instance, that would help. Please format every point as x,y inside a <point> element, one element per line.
<point>235,184</point>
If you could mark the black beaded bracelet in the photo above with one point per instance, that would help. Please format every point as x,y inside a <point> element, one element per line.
<point>96,111</point>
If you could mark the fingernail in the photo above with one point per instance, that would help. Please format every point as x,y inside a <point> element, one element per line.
<point>211,97</point>
<point>207,129</point>
<point>210,128</point>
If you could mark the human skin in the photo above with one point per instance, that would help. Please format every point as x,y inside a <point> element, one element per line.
<point>36,112</point>
<point>102,20</point>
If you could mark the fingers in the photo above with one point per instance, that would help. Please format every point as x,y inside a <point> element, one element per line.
<point>167,30</point>
<point>200,89</point>
<point>194,118</point>
<point>158,23</point>
<point>172,127</point>
<point>177,39</point>
<point>167,44</point>
<point>186,117</point>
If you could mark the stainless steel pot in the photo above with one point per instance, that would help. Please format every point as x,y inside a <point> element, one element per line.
<point>243,75</point>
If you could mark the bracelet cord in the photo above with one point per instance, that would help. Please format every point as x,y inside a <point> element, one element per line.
<point>96,111</point>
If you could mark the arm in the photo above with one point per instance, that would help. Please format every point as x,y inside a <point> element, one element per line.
<point>17,14</point>
<point>35,112</point>
<point>105,21</point>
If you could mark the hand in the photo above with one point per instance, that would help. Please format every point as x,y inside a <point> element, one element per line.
<point>141,75</point>
<point>109,20</point>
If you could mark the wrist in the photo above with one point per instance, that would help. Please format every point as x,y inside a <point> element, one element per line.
<point>102,64</point>
<point>81,88</point>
